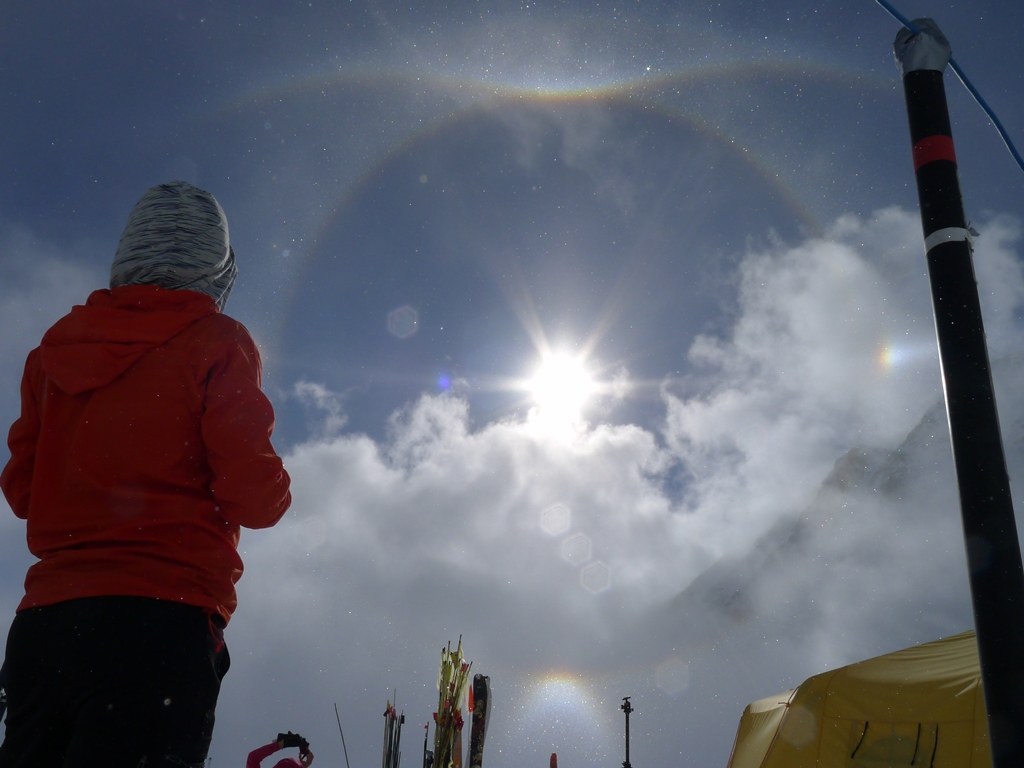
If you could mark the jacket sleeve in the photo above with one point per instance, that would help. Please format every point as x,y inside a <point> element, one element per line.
<point>16,479</point>
<point>250,484</point>
<point>257,755</point>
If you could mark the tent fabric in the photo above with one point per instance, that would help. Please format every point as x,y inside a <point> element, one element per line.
<point>757,729</point>
<point>922,706</point>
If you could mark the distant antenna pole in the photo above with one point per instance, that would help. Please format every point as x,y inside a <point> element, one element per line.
<point>627,708</point>
<point>342,735</point>
<point>990,531</point>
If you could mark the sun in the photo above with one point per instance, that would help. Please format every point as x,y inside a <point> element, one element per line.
<point>560,389</point>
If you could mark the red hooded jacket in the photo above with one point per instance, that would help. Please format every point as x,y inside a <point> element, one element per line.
<point>142,446</point>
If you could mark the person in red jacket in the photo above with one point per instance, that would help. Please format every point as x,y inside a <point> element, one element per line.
<point>142,447</point>
<point>284,740</point>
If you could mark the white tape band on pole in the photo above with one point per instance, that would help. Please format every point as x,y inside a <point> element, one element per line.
<point>947,235</point>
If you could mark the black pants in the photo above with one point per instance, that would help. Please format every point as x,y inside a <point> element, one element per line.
<point>118,682</point>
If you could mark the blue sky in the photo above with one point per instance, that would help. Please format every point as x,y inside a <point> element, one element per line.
<point>709,207</point>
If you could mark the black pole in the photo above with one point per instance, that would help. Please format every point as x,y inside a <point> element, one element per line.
<point>428,757</point>
<point>338,717</point>
<point>990,531</point>
<point>627,708</point>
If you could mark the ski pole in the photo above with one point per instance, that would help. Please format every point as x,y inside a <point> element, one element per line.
<point>342,735</point>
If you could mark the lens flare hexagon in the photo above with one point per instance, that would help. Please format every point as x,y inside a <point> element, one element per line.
<point>556,519</point>
<point>577,549</point>
<point>596,578</point>
<point>403,322</point>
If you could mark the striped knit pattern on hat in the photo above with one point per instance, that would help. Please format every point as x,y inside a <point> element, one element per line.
<point>177,237</point>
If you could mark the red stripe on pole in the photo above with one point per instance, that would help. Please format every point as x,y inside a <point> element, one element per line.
<point>933,148</point>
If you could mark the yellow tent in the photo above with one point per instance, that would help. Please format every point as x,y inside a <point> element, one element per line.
<point>921,706</point>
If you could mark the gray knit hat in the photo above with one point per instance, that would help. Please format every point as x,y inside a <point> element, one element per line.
<point>177,237</point>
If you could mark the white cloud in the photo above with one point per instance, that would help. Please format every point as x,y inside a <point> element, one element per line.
<point>393,549</point>
<point>831,349</point>
<point>998,269</point>
<point>38,284</point>
<point>326,416</point>
<point>440,497</point>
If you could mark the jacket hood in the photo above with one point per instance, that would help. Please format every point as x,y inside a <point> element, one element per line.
<point>177,237</point>
<point>94,344</point>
